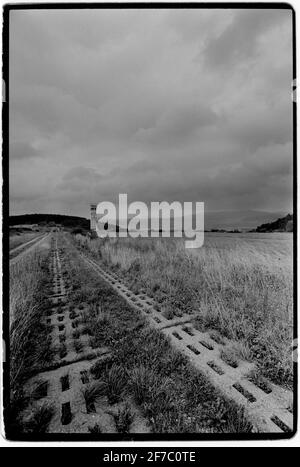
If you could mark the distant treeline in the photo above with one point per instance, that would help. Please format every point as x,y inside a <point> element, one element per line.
<point>285,224</point>
<point>51,219</point>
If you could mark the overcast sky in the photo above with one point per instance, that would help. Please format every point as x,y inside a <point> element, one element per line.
<point>162,105</point>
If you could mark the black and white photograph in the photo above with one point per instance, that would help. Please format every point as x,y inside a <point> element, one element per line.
<point>149,222</point>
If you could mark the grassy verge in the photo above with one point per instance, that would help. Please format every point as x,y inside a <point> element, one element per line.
<point>171,394</point>
<point>242,292</point>
<point>30,343</point>
<point>17,240</point>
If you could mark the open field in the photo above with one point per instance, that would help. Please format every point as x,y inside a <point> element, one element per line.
<point>239,286</point>
<point>39,243</point>
<point>16,240</point>
<point>162,340</point>
<point>105,370</point>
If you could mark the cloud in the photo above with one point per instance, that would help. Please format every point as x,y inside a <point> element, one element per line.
<point>159,104</point>
<point>176,126</point>
<point>240,40</point>
<point>22,150</point>
<point>260,128</point>
<point>81,181</point>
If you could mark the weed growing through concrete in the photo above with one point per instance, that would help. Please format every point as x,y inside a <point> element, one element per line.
<point>242,293</point>
<point>171,394</point>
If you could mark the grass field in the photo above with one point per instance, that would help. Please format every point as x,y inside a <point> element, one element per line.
<point>17,240</point>
<point>29,342</point>
<point>144,368</point>
<point>143,373</point>
<point>239,286</point>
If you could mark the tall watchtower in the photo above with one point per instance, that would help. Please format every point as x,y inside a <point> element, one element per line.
<point>93,216</point>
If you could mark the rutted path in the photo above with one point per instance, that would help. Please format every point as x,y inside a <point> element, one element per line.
<point>268,409</point>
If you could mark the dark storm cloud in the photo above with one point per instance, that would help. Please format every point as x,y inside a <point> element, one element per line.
<point>161,105</point>
<point>177,126</point>
<point>262,129</point>
<point>22,150</point>
<point>240,40</point>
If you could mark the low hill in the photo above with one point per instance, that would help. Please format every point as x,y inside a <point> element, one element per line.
<point>238,219</point>
<point>283,224</point>
<point>70,222</point>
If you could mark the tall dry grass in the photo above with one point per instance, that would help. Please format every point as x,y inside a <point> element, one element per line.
<point>25,300</point>
<point>17,240</point>
<point>243,289</point>
<point>170,393</point>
